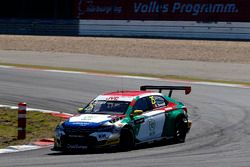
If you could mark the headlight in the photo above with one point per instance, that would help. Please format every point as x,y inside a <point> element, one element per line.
<point>106,128</point>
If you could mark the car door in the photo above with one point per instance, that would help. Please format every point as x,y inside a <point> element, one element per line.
<point>157,115</point>
<point>142,130</point>
<point>154,117</point>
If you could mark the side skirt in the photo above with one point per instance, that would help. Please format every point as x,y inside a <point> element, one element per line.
<point>153,140</point>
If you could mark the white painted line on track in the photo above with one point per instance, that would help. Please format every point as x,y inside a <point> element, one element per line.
<point>6,150</point>
<point>66,72</point>
<point>23,147</point>
<point>1,66</point>
<point>135,77</point>
<point>34,109</point>
<point>218,84</point>
<point>18,148</point>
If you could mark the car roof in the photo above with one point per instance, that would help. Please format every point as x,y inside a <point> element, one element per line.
<point>127,93</point>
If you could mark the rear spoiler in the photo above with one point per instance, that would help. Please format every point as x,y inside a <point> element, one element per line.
<point>171,88</point>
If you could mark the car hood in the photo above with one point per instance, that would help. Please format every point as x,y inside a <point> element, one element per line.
<point>96,118</point>
<point>90,120</point>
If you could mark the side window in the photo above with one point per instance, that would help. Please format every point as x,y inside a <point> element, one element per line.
<point>160,101</point>
<point>142,104</point>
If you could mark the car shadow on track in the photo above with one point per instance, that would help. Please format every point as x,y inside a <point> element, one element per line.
<point>111,149</point>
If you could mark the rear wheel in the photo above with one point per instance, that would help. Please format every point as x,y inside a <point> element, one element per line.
<point>127,140</point>
<point>180,130</point>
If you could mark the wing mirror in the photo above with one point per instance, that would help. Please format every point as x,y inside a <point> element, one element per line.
<point>136,112</point>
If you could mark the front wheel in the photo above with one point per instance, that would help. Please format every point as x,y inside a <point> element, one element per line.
<point>180,130</point>
<point>127,139</point>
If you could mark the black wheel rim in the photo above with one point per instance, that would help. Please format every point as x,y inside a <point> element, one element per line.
<point>180,131</point>
<point>127,140</point>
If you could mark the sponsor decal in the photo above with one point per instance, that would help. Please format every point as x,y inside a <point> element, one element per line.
<point>151,7</point>
<point>198,8</point>
<point>139,121</point>
<point>112,141</point>
<point>90,6</point>
<point>178,7</point>
<point>112,98</point>
<point>90,118</point>
<point>184,10</point>
<point>76,146</point>
<point>76,136</point>
<point>151,126</point>
<point>101,135</point>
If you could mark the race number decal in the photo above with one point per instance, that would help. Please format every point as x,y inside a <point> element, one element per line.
<point>152,100</point>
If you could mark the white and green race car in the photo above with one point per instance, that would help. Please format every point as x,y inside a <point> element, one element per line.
<point>125,119</point>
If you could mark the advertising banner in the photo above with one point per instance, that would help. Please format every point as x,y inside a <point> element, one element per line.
<point>172,10</point>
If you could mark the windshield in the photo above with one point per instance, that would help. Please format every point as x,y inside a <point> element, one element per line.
<point>106,107</point>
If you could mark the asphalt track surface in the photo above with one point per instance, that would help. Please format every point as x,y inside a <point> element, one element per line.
<point>151,66</point>
<point>220,135</point>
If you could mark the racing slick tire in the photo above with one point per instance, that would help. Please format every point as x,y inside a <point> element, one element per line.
<point>180,130</point>
<point>127,139</point>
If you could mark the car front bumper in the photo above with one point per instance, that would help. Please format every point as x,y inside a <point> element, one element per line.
<point>94,140</point>
<point>189,125</point>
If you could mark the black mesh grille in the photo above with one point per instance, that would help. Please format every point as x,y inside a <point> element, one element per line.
<point>84,141</point>
<point>78,131</point>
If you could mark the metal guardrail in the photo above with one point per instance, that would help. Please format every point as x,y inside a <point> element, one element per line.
<point>166,29</point>
<point>124,28</point>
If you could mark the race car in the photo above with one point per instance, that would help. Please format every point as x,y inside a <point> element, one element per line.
<point>125,119</point>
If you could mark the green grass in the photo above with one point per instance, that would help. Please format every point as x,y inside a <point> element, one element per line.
<point>170,77</point>
<point>39,125</point>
